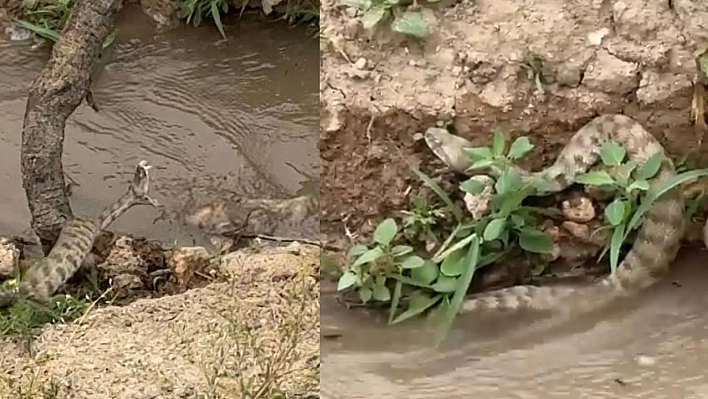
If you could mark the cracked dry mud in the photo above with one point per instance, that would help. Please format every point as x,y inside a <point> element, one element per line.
<point>633,57</point>
<point>198,344</point>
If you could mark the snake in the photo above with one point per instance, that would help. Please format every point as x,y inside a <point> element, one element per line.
<point>73,246</point>
<point>657,241</point>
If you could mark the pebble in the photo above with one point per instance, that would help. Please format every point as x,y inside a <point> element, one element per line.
<point>18,34</point>
<point>577,230</point>
<point>360,64</point>
<point>579,210</point>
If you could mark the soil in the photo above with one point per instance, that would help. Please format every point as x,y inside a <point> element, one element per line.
<point>378,90</point>
<point>210,342</point>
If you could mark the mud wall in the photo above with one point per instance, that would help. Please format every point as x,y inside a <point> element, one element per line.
<point>634,57</point>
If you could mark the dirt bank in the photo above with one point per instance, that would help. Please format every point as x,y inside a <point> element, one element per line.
<point>633,57</point>
<point>225,340</point>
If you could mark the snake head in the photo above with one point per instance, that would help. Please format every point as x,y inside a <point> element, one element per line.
<point>449,148</point>
<point>141,184</point>
<point>141,179</point>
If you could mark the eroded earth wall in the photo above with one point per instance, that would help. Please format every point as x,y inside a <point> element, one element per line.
<point>634,57</point>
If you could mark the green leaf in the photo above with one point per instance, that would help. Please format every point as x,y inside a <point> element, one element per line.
<point>381,292</point>
<point>357,250</point>
<point>536,241</point>
<point>512,201</point>
<point>498,143</point>
<point>625,172</point>
<point>615,246</point>
<point>479,153</point>
<point>413,262</point>
<point>365,294</point>
<point>517,221</point>
<point>463,284</point>
<point>368,256</point>
<point>494,229</point>
<point>400,250</point>
<point>372,17</point>
<point>385,231</point>
<point>397,290</point>
<point>472,186</point>
<point>347,280</point>
<point>541,185</point>
<point>445,284</point>
<point>651,166</point>
<point>411,23</point>
<point>509,180</point>
<point>612,154</point>
<point>452,265</point>
<point>458,245</point>
<point>641,185</point>
<point>656,193</point>
<point>216,16</point>
<point>456,211</point>
<point>482,163</point>
<point>419,302</point>
<point>520,147</point>
<point>425,274</point>
<point>615,212</point>
<point>595,178</point>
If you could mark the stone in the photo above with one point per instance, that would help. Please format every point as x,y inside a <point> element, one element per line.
<point>579,209</point>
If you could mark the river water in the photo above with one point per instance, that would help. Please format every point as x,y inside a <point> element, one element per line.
<point>214,117</point>
<point>652,346</point>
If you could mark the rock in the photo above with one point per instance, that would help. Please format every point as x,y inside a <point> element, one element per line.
<point>599,234</point>
<point>609,74</point>
<point>478,204</point>
<point>577,230</point>
<point>185,261</point>
<point>18,34</point>
<point>554,233</point>
<point>576,254</point>
<point>122,259</point>
<point>127,283</point>
<point>579,209</point>
<point>555,253</point>
<point>360,64</point>
<point>9,257</point>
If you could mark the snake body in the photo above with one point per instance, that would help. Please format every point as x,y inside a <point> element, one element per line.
<point>657,241</point>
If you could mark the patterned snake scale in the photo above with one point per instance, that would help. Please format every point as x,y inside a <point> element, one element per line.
<point>657,241</point>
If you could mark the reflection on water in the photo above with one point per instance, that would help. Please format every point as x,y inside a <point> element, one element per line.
<point>652,346</point>
<point>214,117</point>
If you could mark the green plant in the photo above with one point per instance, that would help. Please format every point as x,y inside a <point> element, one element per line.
<point>420,224</point>
<point>25,319</point>
<point>45,18</point>
<point>534,70</point>
<point>633,196</point>
<point>194,10</point>
<point>401,15</point>
<point>302,11</point>
<point>441,280</point>
<point>509,221</point>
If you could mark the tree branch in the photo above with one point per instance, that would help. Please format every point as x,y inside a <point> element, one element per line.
<point>53,97</point>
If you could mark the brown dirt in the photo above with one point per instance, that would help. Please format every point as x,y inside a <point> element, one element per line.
<point>469,72</point>
<point>204,343</point>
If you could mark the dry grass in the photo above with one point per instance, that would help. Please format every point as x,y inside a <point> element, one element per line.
<point>254,336</point>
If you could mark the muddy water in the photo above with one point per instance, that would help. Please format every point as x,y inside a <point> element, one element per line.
<point>652,346</point>
<point>214,117</point>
